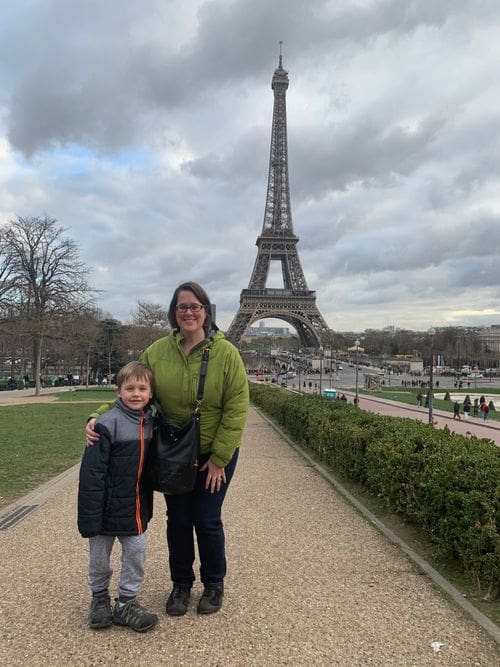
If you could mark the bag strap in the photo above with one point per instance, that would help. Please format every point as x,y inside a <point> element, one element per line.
<point>201,385</point>
<point>203,373</point>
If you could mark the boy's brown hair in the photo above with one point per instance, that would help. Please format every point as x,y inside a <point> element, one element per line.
<point>135,370</point>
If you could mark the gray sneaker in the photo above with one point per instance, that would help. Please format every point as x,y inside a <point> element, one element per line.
<point>100,614</point>
<point>133,615</point>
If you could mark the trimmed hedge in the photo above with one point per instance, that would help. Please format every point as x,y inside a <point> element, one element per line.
<point>446,484</point>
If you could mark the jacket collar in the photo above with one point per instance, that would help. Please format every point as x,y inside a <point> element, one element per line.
<point>132,414</point>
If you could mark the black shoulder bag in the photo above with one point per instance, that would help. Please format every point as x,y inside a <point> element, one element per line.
<point>173,459</point>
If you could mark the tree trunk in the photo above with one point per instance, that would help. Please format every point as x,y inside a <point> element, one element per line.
<point>87,373</point>
<point>13,354</point>
<point>37,352</point>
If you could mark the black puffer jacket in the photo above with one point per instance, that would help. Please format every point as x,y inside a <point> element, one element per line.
<point>112,496</point>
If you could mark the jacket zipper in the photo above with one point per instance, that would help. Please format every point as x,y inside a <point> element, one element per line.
<point>139,475</point>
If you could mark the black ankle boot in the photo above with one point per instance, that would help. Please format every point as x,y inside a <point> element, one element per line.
<point>177,603</point>
<point>211,600</point>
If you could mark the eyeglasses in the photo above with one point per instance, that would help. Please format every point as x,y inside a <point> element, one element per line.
<point>194,308</point>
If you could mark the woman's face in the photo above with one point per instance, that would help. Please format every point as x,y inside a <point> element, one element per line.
<point>190,321</point>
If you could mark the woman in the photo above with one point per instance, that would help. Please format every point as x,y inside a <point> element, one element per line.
<point>175,361</point>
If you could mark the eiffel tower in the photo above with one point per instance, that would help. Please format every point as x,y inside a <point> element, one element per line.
<point>295,303</point>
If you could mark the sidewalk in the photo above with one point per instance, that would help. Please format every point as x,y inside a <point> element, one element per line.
<point>310,582</point>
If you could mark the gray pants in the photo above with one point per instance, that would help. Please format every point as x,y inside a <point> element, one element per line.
<point>132,571</point>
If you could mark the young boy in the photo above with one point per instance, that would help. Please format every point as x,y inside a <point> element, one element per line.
<point>113,501</point>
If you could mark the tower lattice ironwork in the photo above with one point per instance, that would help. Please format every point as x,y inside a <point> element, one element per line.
<point>294,303</point>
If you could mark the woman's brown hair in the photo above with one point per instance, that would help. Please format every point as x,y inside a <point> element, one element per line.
<point>202,297</point>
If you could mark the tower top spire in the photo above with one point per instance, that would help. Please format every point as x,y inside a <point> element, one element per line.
<point>280,74</point>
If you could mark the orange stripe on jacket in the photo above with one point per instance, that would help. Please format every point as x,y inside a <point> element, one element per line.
<point>139,475</point>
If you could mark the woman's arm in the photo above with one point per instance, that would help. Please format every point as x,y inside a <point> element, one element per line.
<point>91,437</point>
<point>235,403</point>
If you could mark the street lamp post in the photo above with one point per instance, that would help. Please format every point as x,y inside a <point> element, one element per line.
<point>320,369</point>
<point>431,333</point>
<point>270,362</point>
<point>299,366</point>
<point>356,393</point>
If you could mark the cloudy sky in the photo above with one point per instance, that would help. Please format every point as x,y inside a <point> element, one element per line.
<point>143,126</point>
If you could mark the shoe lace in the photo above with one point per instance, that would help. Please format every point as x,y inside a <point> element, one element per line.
<point>132,611</point>
<point>212,589</point>
<point>180,592</point>
<point>101,603</point>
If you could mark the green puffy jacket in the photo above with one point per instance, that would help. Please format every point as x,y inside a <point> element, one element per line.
<point>225,398</point>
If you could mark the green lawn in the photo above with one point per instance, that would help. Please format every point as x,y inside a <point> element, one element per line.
<point>94,394</point>
<point>39,441</point>
<point>409,395</point>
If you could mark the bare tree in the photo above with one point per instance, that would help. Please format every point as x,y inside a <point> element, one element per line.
<point>72,341</point>
<point>150,315</point>
<point>88,331</point>
<point>149,322</point>
<point>7,277</point>
<point>50,280</point>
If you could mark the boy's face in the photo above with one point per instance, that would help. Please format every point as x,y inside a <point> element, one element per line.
<point>135,393</point>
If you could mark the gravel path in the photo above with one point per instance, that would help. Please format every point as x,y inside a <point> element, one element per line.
<point>310,582</point>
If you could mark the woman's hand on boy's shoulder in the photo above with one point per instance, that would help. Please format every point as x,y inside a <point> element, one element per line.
<point>91,436</point>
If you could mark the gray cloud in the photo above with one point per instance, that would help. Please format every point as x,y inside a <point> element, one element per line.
<point>145,127</point>
<point>94,70</point>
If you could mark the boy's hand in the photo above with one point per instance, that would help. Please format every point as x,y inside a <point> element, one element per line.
<point>91,437</point>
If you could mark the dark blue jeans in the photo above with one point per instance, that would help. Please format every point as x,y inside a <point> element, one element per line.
<point>199,510</point>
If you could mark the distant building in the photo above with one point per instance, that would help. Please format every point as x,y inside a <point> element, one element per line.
<point>490,338</point>
<point>268,331</point>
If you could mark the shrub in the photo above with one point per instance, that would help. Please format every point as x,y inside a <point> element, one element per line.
<point>445,483</point>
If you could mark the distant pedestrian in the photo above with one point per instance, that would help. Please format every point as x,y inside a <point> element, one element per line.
<point>467,404</point>
<point>486,411</point>
<point>475,408</point>
<point>456,410</point>
<point>419,398</point>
